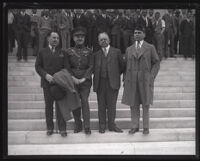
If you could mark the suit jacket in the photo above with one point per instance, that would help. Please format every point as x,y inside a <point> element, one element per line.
<point>103,24</point>
<point>48,62</point>
<point>115,68</point>
<point>140,69</point>
<point>22,23</point>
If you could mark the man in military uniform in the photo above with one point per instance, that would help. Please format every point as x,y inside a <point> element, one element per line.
<point>80,61</point>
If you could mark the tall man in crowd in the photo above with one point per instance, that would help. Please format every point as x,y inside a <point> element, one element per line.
<point>169,33</point>
<point>22,31</point>
<point>49,61</point>
<point>108,66</point>
<point>80,61</point>
<point>159,28</point>
<point>142,66</point>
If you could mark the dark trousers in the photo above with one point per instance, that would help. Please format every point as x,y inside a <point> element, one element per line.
<point>49,112</point>
<point>84,91</point>
<point>168,36</point>
<point>187,46</point>
<point>107,99</point>
<point>11,38</point>
<point>22,38</point>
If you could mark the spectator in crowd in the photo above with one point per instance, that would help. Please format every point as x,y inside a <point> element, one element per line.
<point>49,61</point>
<point>80,59</point>
<point>23,28</point>
<point>145,21</point>
<point>35,19</point>
<point>142,66</point>
<point>159,28</point>
<point>45,26</point>
<point>11,34</point>
<point>151,15</point>
<point>108,66</point>
<point>65,26</point>
<point>170,31</point>
<point>116,30</point>
<point>177,22</point>
<point>128,27</point>
<point>186,31</point>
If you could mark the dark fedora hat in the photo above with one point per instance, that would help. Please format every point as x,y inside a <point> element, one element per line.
<point>57,92</point>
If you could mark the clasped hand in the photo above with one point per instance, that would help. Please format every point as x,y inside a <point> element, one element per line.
<point>78,81</point>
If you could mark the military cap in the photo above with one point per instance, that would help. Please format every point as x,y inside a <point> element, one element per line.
<point>57,92</point>
<point>79,31</point>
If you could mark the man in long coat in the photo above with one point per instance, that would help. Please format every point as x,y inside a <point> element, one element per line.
<point>142,66</point>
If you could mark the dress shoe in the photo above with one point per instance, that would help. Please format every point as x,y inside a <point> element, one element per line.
<point>87,131</point>
<point>101,130</point>
<point>77,130</point>
<point>133,130</point>
<point>115,129</point>
<point>146,131</point>
<point>49,132</point>
<point>63,133</point>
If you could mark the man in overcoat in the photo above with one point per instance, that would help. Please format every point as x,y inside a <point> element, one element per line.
<point>108,66</point>
<point>142,66</point>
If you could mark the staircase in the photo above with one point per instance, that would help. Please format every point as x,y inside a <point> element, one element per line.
<point>172,117</point>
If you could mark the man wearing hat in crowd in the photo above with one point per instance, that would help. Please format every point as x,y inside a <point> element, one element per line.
<point>49,61</point>
<point>80,61</point>
<point>142,66</point>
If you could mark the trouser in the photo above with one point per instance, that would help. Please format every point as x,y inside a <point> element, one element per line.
<point>22,41</point>
<point>84,91</point>
<point>49,112</point>
<point>127,34</point>
<point>168,37</point>
<point>107,99</point>
<point>42,38</point>
<point>35,44</point>
<point>11,38</point>
<point>159,40</point>
<point>65,37</point>
<point>176,41</point>
<point>187,46</point>
<point>115,41</point>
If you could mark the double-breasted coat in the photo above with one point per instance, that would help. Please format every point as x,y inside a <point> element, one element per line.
<point>140,72</point>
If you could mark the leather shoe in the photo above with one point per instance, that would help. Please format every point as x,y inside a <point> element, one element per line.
<point>49,132</point>
<point>133,130</point>
<point>146,131</point>
<point>63,133</point>
<point>77,130</point>
<point>87,131</point>
<point>116,129</point>
<point>101,130</point>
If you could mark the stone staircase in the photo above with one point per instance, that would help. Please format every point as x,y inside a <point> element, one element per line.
<point>172,117</point>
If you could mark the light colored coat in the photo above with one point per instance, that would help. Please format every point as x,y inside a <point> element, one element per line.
<point>140,71</point>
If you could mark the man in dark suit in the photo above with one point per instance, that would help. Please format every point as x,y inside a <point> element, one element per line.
<point>146,22</point>
<point>23,28</point>
<point>108,66</point>
<point>49,61</point>
<point>142,66</point>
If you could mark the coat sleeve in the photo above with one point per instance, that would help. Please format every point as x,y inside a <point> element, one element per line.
<point>66,62</point>
<point>155,62</point>
<point>39,65</point>
<point>125,58</point>
<point>89,71</point>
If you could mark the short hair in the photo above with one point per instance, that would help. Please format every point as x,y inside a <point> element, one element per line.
<point>140,27</point>
<point>103,33</point>
<point>50,32</point>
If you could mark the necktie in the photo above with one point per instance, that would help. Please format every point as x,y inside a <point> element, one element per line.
<point>53,49</point>
<point>138,45</point>
<point>104,51</point>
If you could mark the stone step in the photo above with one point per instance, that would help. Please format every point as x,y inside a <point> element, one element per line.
<point>123,123</point>
<point>120,113</point>
<point>186,68</point>
<point>160,73</point>
<point>138,148</point>
<point>39,90</point>
<point>157,96</point>
<point>34,78</point>
<point>155,135</point>
<point>93,104</point>
<point>156,84</point>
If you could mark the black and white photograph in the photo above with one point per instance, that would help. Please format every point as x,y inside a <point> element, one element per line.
<point>101,81</point>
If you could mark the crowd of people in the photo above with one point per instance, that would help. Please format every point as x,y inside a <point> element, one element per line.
<point>171,34</point>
